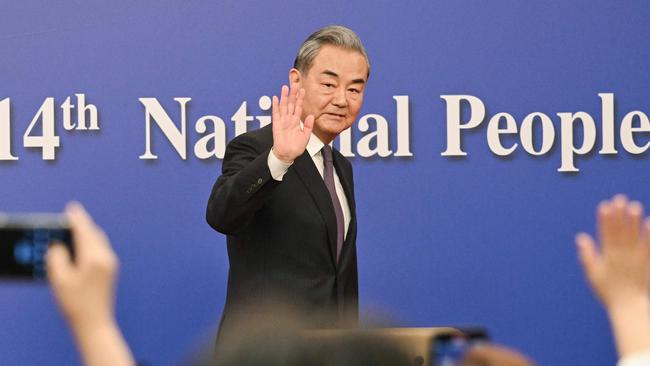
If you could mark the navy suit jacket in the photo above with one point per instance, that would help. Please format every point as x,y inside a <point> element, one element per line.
<point>281,236</point>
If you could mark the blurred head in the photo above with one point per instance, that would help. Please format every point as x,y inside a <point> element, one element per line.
<point>333,68</point>
<point>286,338</point>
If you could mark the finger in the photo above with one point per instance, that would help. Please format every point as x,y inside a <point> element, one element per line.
<point>633,221</point>
<point>588,255</point>
<point>619,199</point>
<point>59,263</point>
<point>645,233</point>
<point>292,101</point>
<point>619,206</point>
<point>308,125</point>
<point>284,100</point>
<point>644,241</point>
<point>604,219</point>
<point>84,231</point>
<point>297,112</point>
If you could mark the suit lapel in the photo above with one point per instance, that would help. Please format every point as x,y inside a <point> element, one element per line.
<point>346,182</point>
<point>307,172</point>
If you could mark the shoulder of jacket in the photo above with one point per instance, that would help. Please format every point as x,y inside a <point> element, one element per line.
<point>262,137</point>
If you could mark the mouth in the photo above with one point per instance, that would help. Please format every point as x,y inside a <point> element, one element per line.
<point>335,116</point>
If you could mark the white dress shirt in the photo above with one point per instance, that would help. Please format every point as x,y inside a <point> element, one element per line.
<point>636,359</point>
<point>278,168</point>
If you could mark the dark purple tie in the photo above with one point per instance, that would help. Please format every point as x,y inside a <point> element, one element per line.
<point>328,176</point>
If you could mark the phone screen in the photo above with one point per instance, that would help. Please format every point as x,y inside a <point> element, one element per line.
<point>449,350</point>
<point>23,249</point>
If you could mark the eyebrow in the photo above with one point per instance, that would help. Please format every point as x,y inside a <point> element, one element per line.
<point>333,74</point>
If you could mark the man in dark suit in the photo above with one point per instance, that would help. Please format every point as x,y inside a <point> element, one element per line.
<point>285,198</point>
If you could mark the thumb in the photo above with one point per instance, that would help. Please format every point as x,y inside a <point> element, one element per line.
<point>587,254</point>
<point>308,124</point>
<point>58,262</point>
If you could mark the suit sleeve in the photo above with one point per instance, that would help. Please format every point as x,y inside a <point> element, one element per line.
<point>242,189</point>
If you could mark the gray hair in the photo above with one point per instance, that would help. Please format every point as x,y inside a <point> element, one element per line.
<point>335,35</point>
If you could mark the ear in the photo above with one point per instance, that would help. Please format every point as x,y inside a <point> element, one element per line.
<point>295,79</point>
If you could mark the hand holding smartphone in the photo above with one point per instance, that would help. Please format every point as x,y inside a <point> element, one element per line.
<point>24,241</point>
<point>81,275</point>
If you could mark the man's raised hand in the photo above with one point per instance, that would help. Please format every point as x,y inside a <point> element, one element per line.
<point>289,137</point>
<point>620,271</point>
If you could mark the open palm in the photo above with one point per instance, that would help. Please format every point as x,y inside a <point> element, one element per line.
<point>290,137</point>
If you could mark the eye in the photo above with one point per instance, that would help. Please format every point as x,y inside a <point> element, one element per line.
<point>328,85</point>
<point>354,90</point>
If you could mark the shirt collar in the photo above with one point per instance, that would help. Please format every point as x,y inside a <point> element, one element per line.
<point>314,145</point>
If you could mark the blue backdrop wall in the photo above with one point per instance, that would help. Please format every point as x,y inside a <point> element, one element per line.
<point>479,239</point>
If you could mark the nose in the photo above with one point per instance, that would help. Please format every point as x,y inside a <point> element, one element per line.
<point>339,99</point>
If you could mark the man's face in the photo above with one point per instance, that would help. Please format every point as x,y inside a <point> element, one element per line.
<point>334,87</point>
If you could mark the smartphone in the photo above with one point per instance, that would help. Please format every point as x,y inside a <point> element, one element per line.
<point>24,240</point>
<point>449,349</point>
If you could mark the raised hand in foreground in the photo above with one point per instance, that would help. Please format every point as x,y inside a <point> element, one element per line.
<point>85,291</point>
<point>619,271</point>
